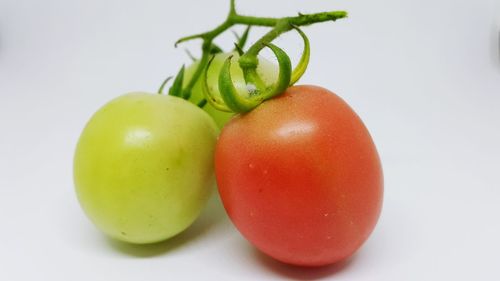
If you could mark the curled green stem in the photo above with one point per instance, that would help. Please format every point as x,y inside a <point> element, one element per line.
<point>212,99</point>
<point>248,61</point>
<point>285,73</point>
<point>238,103</point>
<point>301,67</point>
<point>163,84</point>
<point>229,93</point>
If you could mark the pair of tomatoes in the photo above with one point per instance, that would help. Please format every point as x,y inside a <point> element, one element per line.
<point>299,175</point>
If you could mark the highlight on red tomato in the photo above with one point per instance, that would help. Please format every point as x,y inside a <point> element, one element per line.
<point>300,177</point>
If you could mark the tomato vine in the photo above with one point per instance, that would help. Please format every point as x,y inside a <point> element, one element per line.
<point>230,99</point>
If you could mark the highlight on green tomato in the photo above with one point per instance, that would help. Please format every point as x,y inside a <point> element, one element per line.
<point>266,69</point>
<point>143,166</point>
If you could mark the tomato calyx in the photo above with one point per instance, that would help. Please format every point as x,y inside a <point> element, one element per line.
<point>238,103</point>
<point>301,67</point>
<point>176,89</point>
<point>163,84</point>
<point>242,40</point>
<point>258,91</point>
<point>213,99</point>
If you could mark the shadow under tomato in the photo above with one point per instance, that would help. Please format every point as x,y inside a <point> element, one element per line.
<point>302,273</point>
<point>212,215</point>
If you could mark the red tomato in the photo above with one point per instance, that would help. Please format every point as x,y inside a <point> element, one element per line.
<point>300,177</point>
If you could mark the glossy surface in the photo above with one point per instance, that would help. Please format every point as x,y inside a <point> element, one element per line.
<point>300,177</point>
<point>143,167</point>
<point>266,69</point>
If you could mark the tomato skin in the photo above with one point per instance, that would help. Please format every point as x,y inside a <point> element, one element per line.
<point>300,177</point>
<point>143,166</point>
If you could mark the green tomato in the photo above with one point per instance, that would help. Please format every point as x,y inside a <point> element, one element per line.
<point>143,167</point>
<point>266,69</point>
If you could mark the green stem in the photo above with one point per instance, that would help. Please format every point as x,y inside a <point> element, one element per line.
<point>281,27</point>
<point>249,20</point>
<point>249,60</point>
<point>186,93</point>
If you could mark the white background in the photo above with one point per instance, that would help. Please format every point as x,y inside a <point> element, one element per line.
<point>423,75</point>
